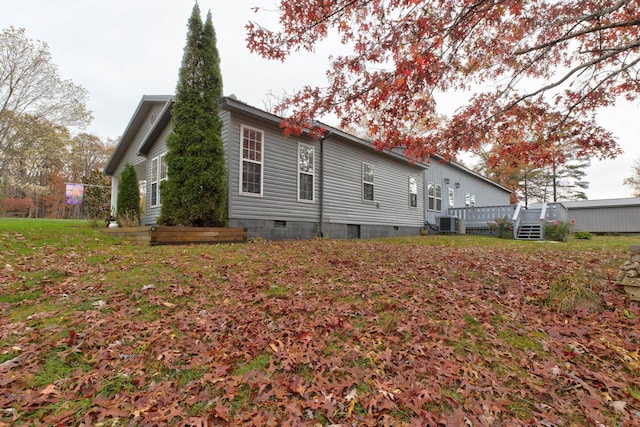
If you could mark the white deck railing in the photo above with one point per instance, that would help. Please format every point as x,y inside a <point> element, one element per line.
<point>482,216</point>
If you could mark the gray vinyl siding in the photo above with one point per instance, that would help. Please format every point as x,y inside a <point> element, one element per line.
<point>343,187</point>
<point>131,155</point>
<point>159,148</point>
<point>225,116</point>
<point>279,199</point>
<point>485,192</point>
<point>343,202</point>
<point>623,219</point>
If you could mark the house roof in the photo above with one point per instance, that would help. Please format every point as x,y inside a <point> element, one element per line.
<point>158,126</point>
<point>130,131</point>
<point>235,105</point>
<point>232,104</point>
<point>602,203</point>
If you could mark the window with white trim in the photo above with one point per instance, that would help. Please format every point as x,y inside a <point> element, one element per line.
<point>434,197</point>
<point>469,200</point>
<point>413,192</point>
<point>368,185</point>
<point>158,174</point>
<point>306,172</point>
<point>251,161</point>
<point>451,197</point>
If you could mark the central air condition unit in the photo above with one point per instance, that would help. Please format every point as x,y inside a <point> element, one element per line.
<point>451,224</point>
<point>448,224</point>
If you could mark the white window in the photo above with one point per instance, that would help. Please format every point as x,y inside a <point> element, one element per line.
<point>367,182</point>
<point>413,192</point>
<point>158,174</point>
<point>306,172</point>
<point>451,194</point>
<point>434,197</point>
<point>252,161</point>
<point>469,200</point>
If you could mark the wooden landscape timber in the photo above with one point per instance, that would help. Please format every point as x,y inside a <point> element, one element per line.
<point>167,235</point>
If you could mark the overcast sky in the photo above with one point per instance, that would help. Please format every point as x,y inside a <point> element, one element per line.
<point>121,50</point>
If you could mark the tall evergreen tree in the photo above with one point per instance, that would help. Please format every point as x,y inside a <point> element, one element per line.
<point>195,192</point>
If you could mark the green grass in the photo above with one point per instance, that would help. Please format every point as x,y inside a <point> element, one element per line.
<point>20,296</point>
<point>258,363</point>
<point>8,356</point>
<point>520,341</point>
<point>117,384</point>
<point>56,368</point>
<point>182,377</point>
<point>276,291</point>
<point>473,326</point>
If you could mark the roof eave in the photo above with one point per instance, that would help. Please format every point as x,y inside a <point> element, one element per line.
<point>234,105</point>
<point>130,131</point>
<point>157,128</point>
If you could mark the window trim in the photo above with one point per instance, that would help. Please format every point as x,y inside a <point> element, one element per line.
<point>371,183</point>
<point>469,200</point>
<point>451,197</point>
<point>312,173</point>
<point>242,160</point>
<point>434,202</point>
<point>158,169</point>
<point>413,192</point>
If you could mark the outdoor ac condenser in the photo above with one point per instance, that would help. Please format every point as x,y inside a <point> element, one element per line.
<point>448,224</point>
<point>451,224</point>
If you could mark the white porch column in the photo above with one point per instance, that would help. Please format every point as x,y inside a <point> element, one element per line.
<point>114,193</point>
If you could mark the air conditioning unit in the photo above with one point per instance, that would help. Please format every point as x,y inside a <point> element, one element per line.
<point>451,224</point>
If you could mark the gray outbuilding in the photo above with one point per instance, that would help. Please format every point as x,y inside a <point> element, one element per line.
<point>605,215</point>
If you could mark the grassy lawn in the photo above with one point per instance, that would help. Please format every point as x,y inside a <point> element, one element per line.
<point>431,330</point>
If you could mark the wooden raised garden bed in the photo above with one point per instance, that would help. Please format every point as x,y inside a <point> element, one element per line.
<point>165,235</point>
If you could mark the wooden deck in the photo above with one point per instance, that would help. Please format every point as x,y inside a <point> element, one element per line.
<point>164,235</point>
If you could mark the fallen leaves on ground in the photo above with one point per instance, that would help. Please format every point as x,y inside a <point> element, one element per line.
<point>312,333</point>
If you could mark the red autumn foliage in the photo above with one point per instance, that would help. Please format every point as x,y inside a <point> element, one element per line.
<point>315,332</point>
<point>555,62</point>
<point>16,206</point>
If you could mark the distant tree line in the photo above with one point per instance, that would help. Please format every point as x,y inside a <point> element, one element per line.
<point>39,152</point>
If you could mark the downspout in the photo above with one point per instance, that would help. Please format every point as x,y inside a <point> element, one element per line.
<point>325,136</point>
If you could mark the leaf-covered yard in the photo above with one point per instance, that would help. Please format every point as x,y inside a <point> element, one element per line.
<point>427,331</point>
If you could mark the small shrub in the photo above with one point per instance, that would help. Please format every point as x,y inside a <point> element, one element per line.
<point>558,231</point>
<point>582,235</point>
<point>502,228</point>
<point>128,195</point>
<point>128,219</point>
<point>16,207</point>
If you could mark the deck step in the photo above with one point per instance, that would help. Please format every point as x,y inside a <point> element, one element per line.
<point>530,232</point>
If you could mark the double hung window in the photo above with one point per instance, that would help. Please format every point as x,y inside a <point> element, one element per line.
<point>434,197</point>
<point>413,192</point>
<point>368,185</point>
<point>306,172</point>
<point>158,174</point>
<point>252,161</point>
